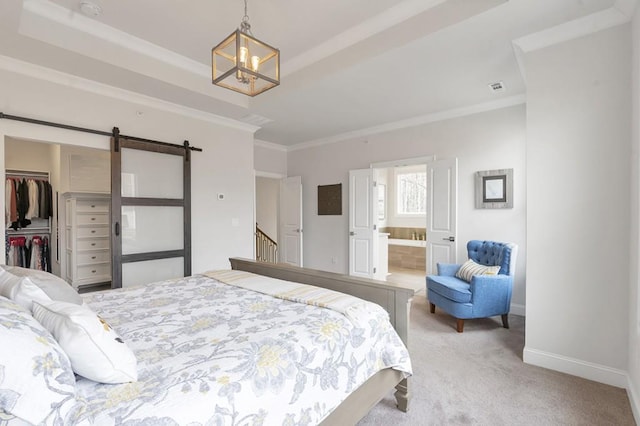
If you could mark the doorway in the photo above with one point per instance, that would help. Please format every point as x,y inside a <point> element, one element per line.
<point>278,214</point>
<point>402,222</point>
<point>68,169</point>
<point>267,204</point>
<point>422,193</point>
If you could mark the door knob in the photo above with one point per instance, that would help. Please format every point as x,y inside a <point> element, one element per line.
<point>352,233</point>
<point>452,239</point>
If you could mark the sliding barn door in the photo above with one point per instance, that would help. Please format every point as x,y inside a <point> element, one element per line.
<point>150,211</point>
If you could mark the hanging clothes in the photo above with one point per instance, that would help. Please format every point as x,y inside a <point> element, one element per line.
<point>34,195</point>
<point>33,253</point>
<point>26,200</point>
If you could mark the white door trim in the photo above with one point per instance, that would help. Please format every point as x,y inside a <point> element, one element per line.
<point>403,162</point>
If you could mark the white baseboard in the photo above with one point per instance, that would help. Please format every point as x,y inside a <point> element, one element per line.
<point>576,367</point>
<point>633,400</point>
<point>516,309</point>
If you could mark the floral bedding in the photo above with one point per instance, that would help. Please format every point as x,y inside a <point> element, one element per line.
<point>214,354</point>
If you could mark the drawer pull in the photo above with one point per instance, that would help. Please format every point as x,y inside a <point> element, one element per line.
<point>93,231</point>
<point>93,206</point>
<point>93,244</point>
<point>93,271</point>
<point>93,218</point>
<point>93,257</point>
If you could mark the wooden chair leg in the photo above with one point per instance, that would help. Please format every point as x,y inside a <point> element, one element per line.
<point>432,308</point>
<point>459,325</point>
<point>505,320</point>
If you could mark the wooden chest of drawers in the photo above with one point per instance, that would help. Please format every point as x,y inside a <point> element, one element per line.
<point>86,241</point>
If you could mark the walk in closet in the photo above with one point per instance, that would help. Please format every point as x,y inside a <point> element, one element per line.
<point>57,206</point>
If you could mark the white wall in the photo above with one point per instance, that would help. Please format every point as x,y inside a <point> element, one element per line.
<point>578,133</point>
<point>267,204</point>
<point>270,160</point>
<point>28,156</point>
<point>484,141</point>
<point>220,229</point>
<point>633,384</point>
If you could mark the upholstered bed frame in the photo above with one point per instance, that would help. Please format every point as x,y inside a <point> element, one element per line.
<point>394,298</point>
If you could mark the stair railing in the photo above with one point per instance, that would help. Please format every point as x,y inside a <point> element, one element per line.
<point>266,248</point>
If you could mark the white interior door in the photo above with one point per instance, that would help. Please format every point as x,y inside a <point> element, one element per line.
<point>291,220</point>
<point>442,186</point>
<point>363,233</point>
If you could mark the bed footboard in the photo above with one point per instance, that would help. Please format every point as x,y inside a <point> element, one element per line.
<point>394,298</point>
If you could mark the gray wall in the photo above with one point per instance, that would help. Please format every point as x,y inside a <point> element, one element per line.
<point>484,141</point>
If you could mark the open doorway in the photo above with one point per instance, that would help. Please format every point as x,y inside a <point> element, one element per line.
<point>402,222</point>
<point>408,224</point>
<point>51,241</point>
<point>278,214</point>
<point>267,218</point>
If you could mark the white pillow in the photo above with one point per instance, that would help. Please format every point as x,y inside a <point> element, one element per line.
<point>35,374</point>
<point>20,289</point>
<point>94,348</point>
<point>471,268</point>
<point>54,287</point>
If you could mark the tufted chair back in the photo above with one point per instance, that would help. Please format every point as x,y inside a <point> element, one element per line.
<point>492,253</point>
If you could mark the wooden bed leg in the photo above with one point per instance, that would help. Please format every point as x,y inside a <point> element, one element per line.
<point>402,395</point>
<point>432,308</point>
<point>505,320</point>
<point>459,325</point>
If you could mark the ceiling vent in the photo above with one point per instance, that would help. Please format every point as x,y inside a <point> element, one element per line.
<point>497,87</point>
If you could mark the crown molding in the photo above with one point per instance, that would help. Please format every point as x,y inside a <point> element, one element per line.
<point>413,122</point>
<point>621,12</point>
<point>77,21</point>
<point>115,43</point>
<point>269,145</point>
<point>577,28</point>
<point>377,24</point>
<point>53,76</point>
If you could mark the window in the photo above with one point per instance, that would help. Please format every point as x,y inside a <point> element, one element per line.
<point>411,191</point>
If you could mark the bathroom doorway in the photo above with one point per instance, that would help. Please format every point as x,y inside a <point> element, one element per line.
<point>402,222</point>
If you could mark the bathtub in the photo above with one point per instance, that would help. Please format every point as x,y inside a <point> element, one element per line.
<point>407,243</point>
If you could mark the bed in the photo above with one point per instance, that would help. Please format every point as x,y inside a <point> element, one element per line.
<point>227,347</point>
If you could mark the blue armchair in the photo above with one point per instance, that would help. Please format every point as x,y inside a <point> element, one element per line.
<point>485,295</point>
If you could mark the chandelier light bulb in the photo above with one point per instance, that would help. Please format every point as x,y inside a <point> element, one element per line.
<point>255,63</point>
<point>244,54</point>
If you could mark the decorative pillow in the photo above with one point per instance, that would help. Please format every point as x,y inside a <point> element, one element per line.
<point>20,289</point>
<point>94,348</point>
<point>471,268</point>
<point>35,374</point>
<point>54,287</point>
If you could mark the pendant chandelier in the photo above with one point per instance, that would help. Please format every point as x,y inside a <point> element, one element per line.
<point>245,64</point>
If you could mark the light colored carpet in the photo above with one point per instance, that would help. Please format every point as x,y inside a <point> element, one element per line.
<point>478,378</point>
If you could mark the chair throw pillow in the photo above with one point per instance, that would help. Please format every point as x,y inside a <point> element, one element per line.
<point>471,268</point>
<point>94,348</point>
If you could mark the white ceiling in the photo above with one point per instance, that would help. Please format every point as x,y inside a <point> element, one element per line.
<point>346,65</point>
